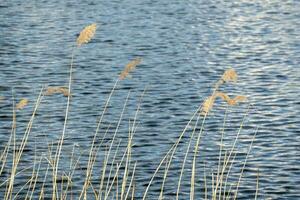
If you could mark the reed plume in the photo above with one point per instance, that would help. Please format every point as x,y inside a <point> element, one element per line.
<point>222,95</point>
<point>21,104</point>
<point>229,76</point>
<point>57,90</point>
<point>236,100</point>
<point>86,34</point>
<point>129,67</point>
<point>208,104</point>
<point>231,101</point>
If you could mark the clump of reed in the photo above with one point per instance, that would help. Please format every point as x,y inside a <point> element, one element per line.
<point>229,76</point>
<point>116,178</point>
<point>219,180</point>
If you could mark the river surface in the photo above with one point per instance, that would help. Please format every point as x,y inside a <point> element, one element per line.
<point>185,46</point>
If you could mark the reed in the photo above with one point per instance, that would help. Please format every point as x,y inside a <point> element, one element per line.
<point>130,67</point>
<point>86,34</point>
<point>229,75</point>
<point>22,103</point>
<point>57,90</point>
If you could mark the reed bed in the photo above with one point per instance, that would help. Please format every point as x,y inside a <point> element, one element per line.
<point>109,169</point>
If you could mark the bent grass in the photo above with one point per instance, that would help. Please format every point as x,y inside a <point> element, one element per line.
<point>117,176</point>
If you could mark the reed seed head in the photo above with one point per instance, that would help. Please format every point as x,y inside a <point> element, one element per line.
<point>231,101</point>
<point>57,90</point>
<point>229,76</point>
<point>86,34</point>
<point>209,102</point>
<point>129,67</point>
<point>236,100</point>
<point>21,104</point>
<point>207,105</point>
<point>222,95</point>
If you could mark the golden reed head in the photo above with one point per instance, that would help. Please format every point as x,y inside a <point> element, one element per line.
<point>57,90</point>
<point>236,100</point>
<point>230,76</point>
<point>207,105</point>
<point>86,34</point>
<point>209,102</point>
<point>22,103</point>
<point>130,67</point>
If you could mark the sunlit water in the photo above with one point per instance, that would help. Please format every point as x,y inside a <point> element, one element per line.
<point>185,46</point>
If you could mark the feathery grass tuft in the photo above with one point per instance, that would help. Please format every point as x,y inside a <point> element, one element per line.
<point>57,90</point>
<point>21,104</point>
<point>231,101</point>
<point>236,100</point>
<point>130,67</point>
<point>208,104</point>
<point>86,34</point>
<point>230,76</point>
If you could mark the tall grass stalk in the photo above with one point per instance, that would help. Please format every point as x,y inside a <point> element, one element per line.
<point>257,185</point>
<point>110,172</point>
<point>172,149</point>
<point>244,165</point>
<point>233,146</point>
<point>61,141</point>
<point>131,184</point>
<point>41,196</point>
<point>185,157</point>
<point>83,193</point>
<point>85,36</point>
<point>116,175</point>
<point>220,177</point>
<point>205,182</point>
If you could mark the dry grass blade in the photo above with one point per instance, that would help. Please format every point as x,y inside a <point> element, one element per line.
<point>185,157</point>
<point>129,67</point>
<point>205,182</point>
<point>86,34</point>
<point>171,151</point>
<point>57,90</point>
<point>22,104</point>
<point>131,184</point>
<point>230,76</point>
<point>257,185</point>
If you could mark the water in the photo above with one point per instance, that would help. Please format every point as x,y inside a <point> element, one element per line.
<point>185,46</point>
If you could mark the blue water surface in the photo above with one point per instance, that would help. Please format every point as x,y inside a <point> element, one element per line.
<point>185,46</point>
